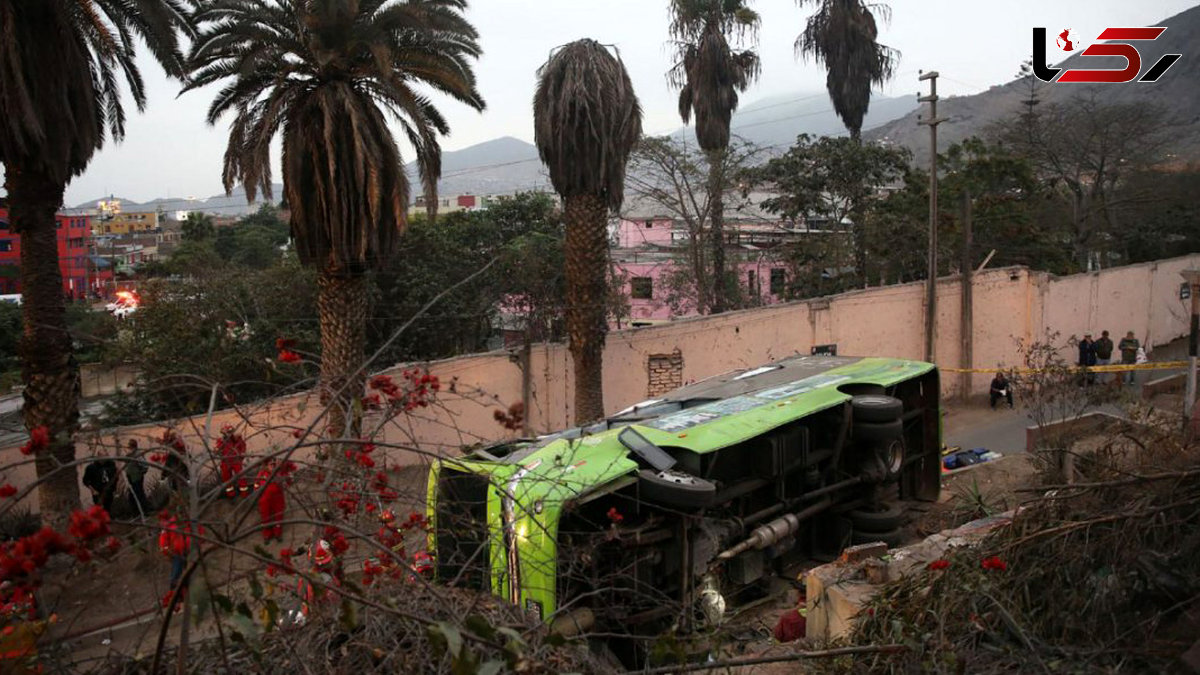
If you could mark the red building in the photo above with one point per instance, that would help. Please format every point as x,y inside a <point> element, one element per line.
<point>74,256</point>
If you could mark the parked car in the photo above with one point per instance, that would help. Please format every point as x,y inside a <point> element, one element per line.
<point>673,509</point>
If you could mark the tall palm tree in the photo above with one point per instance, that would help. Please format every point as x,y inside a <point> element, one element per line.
<point>842,35</point>
<point>326,72</point>
<point>61,64</point>
<point>586,121</point>
<point>709,74</point>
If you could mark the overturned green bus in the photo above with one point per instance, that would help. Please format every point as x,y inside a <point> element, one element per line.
<point>666,512</point>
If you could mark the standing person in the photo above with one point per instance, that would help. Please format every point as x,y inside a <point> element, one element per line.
<point>1104,350</point>
<point>272,502</point>
<point>100,477</point>
<point>1001,388</point>
<point>1139,360</point>
<point>175,467</point>
<point>1087,359</point>
<point>135,473</point>
<point>174,542</point>
<point>232,449</point>
<point>1129,346</point>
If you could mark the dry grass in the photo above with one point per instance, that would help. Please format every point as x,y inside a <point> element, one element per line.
<point>1102,575</point>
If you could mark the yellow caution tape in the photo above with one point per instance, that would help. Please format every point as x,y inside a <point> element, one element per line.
<point>1114,368</point>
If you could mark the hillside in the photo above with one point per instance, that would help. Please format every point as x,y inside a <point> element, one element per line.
<point>1178,92</point>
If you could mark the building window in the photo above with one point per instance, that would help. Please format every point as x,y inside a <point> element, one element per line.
<point>5,245</point>
<point>751,278</point>
<point>3,225</point>
<point>777,281</point>
<point>641,288</point>
<point>76,242</point>
<point>649,224</point>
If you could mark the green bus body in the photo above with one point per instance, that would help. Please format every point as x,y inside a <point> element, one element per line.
<point>540,478</point>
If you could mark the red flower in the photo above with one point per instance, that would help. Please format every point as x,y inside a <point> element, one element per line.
<point>284,344</point>
<point>7,491</point>
<point>994,563</point>
<point>90,524</point>
<point>939,564</point>
<point>39,437</point>
<point>299,433</point>
<point>112,544</point>
<point>615,516</point>
<point>158,457</point>
<point>289,356</point>
<point>365,460</point>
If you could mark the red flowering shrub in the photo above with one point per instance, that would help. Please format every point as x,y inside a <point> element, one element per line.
<point>90,524</point>
<point>417,390</point>
<point>939,564</point>
<point>615,516</point>
<point>289,356</point>
<point>7,491</point>
<point>39,438</point>
<point>994,563</point>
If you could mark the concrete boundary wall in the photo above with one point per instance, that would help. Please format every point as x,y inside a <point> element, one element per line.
<point>1010,304</point>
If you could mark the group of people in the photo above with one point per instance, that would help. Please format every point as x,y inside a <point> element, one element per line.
<point>1100,353</point>
<point>1092,353</point>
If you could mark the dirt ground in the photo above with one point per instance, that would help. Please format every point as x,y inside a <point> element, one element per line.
<point>115,604</point>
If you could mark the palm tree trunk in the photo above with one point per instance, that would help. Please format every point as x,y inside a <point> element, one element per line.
<point>586,258</point>
<point>342,307</point>
<point>48,368</point>
<point>716,209</point>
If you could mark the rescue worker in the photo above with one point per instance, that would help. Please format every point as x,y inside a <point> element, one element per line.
<point>272,502</point>
<point>324,568</point>
<point>174,542</point>
<point>231,447</point>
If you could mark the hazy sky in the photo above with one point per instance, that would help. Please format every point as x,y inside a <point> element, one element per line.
<point>170,151</point>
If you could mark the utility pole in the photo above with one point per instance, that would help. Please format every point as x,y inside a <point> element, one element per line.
<point>966,326</point>
<point>1189,400</point>
<point>931,282</point>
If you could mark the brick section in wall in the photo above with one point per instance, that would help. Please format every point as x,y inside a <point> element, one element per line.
<point>665,373</point>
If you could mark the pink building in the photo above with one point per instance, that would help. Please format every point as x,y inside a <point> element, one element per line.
<point>649,250</point>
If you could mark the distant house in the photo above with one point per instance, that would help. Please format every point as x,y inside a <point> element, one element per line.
<point>80,275</point>
<point>452,203</point>
<point>122,222</point>
<point>649,247</point>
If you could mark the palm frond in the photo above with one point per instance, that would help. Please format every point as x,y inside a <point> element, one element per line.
<point>586,121</point>
<point>62,63</point>
<point>327,74</point>
<point>842,34</point>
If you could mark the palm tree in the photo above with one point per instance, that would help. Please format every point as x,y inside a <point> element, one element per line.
<point>841,34</point>
<point>586,122</point>
<point>61,64</point>
<point>326,72</point>
<point>709,74</point>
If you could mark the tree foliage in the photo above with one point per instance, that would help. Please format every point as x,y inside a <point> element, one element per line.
<point>1082,150</point>
<point>829,186</point>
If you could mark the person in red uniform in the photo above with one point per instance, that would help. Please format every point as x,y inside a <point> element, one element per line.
<point>231,447</point>
<point>271,501</point>
<point>324,567</point>
<point>174,542</point>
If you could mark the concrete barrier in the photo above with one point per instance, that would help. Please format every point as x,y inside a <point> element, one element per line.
<point>1074,426</point>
